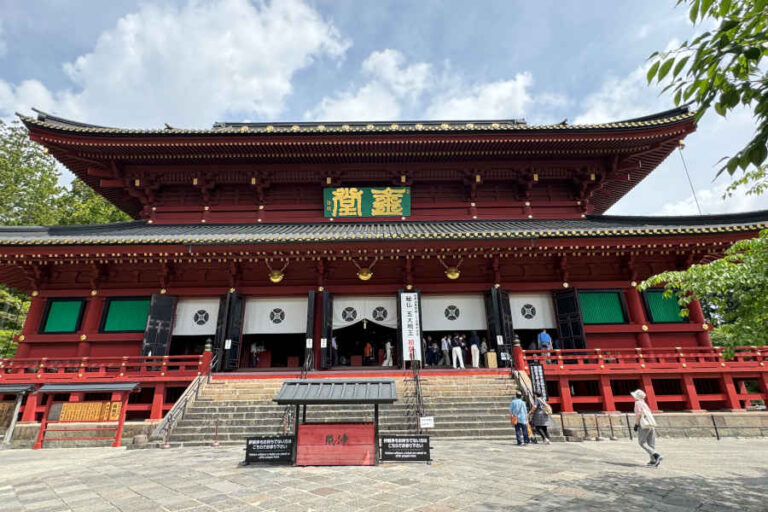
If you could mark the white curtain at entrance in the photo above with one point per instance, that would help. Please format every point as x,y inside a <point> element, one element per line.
<point>453,313</point>
<point>196,316</point>
<point>532,311</point>
<point>348,310</point>
<point>275,315</point>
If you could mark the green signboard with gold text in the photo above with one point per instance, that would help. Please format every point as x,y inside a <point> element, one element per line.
<point>367,202</point>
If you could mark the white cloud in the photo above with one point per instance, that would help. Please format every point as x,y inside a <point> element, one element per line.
<point>188,65</point>
<point>712,201</point>
<point>393,86</point>
<point>391,82</point>
<point>499,99</point>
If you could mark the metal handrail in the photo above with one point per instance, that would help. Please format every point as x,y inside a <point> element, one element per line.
<point>417,387</point>
<point>163,430</point>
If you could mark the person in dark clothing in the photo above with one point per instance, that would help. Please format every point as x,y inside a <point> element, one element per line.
<point>474,348</point>
<point>540,416</point>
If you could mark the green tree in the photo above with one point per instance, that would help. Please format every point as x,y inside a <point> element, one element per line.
<point>81,205</point>
<point>30,194</point>
<point>734,287</point>
<point>28,180</point>
<point>723,68</point>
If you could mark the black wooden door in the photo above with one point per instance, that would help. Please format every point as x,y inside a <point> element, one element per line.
<point>221,331</point>
<point>496,339</point>
<point>569,323</point>
<point>157,335</point>
<point>234,331</point>
<point>505,317</point>
<point>309,360</point>
<point>327,334</point>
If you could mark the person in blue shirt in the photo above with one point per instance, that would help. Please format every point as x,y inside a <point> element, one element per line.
<point>518,408</point>
<point>545,340</point>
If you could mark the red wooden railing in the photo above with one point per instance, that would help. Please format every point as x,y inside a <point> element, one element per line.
<point>136,368</point>
<point>566,368</point>
<point>649,359</point>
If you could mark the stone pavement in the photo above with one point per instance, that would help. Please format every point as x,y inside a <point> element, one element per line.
<point>697,474</point>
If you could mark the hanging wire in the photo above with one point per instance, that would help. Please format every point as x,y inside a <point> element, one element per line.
<point>687,174</point>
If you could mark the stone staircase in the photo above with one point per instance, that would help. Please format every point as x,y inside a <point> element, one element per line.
<point>464,406</point>
<point>244,408</point>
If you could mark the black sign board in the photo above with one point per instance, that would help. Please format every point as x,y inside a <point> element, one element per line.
<point>537,378</point>
<point>269,450</point>
<point>405,448</point>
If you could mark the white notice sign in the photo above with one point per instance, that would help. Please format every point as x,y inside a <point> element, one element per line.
<point>410,326</point>
<point>427,422</point>
<point>323,342</point>
<point>227,344</point>
<point>309,342</point>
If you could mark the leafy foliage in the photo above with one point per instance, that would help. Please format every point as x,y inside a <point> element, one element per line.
<point>721,69</point>
<point>734,290</point>
<point>81,205</point>
<point>30,195</point>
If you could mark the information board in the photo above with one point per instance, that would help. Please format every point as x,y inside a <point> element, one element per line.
<point>405,448</point>
<point>538,381</point>
<point>410,325</point>
<point>269,450</point>
<point>74,412</point>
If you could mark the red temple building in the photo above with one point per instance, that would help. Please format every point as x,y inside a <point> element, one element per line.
<point>273,243</point>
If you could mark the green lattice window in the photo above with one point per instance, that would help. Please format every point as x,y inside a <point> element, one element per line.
<point>62,316</point>
<point>603,307</point>
<point>662,309</point>
<point>126,315</point>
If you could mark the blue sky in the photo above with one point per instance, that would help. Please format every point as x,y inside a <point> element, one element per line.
<point>193,62</point>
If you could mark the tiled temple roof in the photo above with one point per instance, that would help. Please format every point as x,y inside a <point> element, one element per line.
<point>45,120</point>
<point>141,232</point>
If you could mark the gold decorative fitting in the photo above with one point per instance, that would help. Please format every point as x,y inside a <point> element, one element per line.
<point>527,203</point>
<point>705,327</point>
<point>535,177</point>
<point>35,293</point>
<point>163,291</point>
<point>365,273</point>
<point>194,181</point>
<point>94,292</point>
<point>137,183</point>
<point>403,178</point>
<point>320,288</point>
<point>722,364</point>
<point>202,220</point>
<point>275,276</point>
<point>149,221</point>
<point>566,285</point>
<point>231,290</point>
<point>642,365</point>
<point>644,327</point>
<point>21,337</point>
<point>497,285</point>
<point>633,284</point>
<point>83,337</point>
<point>206,208</point>
<point>530,216</point>
<point>409,287</point>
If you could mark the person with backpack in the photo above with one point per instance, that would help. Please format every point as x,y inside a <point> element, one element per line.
<point>518,416</point>
<point>645,426</point>
<point>540,414</point>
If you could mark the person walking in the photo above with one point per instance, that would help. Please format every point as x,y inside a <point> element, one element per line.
<point>483,351</point>
<point>518,416</point>
<point>445,346</point>
<point>645,426</point>
<point>457,352</point>
<point>474,347</point>
<point>388,352</point>
<point>544,342</point>
<point>540,415</point>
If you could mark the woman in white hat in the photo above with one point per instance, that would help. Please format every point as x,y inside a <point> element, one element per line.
<point>645,426</point>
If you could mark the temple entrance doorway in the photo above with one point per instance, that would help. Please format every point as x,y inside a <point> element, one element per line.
<point>364,332</point>
<point>194,325</point>
<point>532,313</point>
<point>274,333</point>
<point>364,344</point>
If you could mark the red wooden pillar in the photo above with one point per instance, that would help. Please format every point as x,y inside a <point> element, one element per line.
<point>697,317</point>
<point>606,393</point>
<point>30,407</point>
<point>158,400</point>
<point>637,316</point>
<point>691,396</point>
<point>731,397</point>
<point>31,325</point>
<point>90,324</point>
<point>43,424</point>
<point>650,394</point>
<point>566,404</point>
<point>123,398</point>
<point>743,391</point>
<point>317,349</point>
<point>763,382</point>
